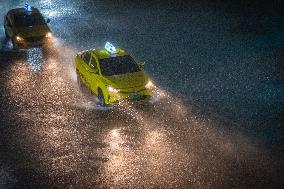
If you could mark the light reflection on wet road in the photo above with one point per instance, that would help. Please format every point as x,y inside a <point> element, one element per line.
<point>55,136</point>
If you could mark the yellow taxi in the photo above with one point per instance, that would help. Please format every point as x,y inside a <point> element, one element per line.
<point>26,27</point>
<point>113,75</point>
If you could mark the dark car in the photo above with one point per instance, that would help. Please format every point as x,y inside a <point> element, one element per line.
<point>26,27</point>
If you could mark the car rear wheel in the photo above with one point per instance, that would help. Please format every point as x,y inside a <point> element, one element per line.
<point>79,80</point>
<point>101,98</point>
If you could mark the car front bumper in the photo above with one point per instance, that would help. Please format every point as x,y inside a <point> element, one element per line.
<point>114,98</point>
<point>32,42</point>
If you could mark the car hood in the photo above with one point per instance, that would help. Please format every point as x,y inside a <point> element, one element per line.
<point>129,80</point>
<point>34,31</point>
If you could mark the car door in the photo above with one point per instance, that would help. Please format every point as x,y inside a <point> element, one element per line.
<point>85,68</point>
<point>94,75</point>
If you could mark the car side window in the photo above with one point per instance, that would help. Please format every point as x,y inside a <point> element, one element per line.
<point>86,57</point>
<point>8,20</point>
<point>9,23</point>
<point>11,19</point>
<point>94,63</point>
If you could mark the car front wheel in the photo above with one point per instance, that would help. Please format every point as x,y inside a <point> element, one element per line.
<point>15,45</point>
<point>101,98</point>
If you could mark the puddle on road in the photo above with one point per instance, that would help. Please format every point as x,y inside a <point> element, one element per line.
<point>160,145</point>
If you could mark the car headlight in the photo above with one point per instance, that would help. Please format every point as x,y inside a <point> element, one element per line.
<point>150,85</point>
<point>18,38</point>
<point>112,90</point>
<point>48,35</point>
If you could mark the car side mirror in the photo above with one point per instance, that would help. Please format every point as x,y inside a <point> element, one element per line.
<point>141,64</point>
<point>47,20</point>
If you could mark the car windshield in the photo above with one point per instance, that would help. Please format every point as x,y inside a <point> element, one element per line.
<point>25,20</point>
<point>118,65</point>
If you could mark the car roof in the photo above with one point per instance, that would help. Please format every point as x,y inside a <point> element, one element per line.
<point>101,53</point>
<point>19,11</point>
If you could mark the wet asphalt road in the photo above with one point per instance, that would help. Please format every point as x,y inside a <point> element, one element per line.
<point>216,120</point>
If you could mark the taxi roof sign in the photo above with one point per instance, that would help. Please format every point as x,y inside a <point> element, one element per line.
<point>110,48</point>
<point>27,8</point>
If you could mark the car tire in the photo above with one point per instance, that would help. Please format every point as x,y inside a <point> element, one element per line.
<point>15,46</point>
<point>101,98</point>
<point>79,80</point>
